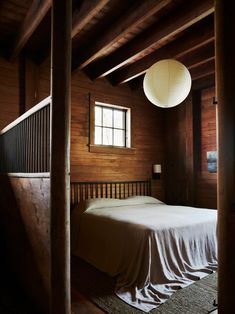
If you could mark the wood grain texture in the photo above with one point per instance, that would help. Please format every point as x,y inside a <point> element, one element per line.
<point>206,182</point>
<point>156,36</point>
<point>130,19</point>
<point>147,130</point>
<point>188,180</point>
<point>193,39</point>
<point>176,134</point>
<point>9,91</point>
<point>24,210</point>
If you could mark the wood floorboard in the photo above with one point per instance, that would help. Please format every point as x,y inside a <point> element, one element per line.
<point>81,305</point>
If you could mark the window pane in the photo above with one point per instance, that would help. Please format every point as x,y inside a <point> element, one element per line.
<point>119,138</point>
<point>98,135</point>
<point>107,136</point>
<point>107,117</point>
<point>119,119</point>
<point>98,112</point>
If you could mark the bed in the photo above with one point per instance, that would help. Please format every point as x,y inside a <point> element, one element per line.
<point>152,249</point>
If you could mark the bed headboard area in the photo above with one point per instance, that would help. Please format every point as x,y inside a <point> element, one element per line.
<point>116,189</point>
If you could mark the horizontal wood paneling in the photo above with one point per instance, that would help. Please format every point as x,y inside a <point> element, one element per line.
<point>147,129</point>
<point>9,91</point>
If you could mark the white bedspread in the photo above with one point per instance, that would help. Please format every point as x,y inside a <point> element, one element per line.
<point>151,249</point>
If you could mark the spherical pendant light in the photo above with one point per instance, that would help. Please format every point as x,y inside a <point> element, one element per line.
<point>167,83</point>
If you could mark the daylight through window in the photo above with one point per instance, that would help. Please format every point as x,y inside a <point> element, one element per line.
<point>111,125</point>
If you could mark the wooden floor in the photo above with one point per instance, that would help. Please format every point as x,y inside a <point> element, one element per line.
<point>81,305</point>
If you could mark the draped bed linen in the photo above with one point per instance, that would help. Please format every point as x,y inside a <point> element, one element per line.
<point>151,249</point>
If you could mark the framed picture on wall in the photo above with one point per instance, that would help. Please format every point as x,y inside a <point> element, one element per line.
<point>211,161</point>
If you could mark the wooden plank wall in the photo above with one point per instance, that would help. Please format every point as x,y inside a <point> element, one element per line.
<point>188,181</point>
<point>178,136</point>
<point>206,182</point>
<point>9,92</point>
<point>151,146</point>
<point>147,130</point>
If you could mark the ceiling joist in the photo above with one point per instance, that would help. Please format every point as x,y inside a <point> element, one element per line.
<point>36,13</point>
<point>204,69</point>
<point>159,34</point>
<point>117,40</point>
<point>128,21</point>
<point>85,13</point>
<point>197,36</point>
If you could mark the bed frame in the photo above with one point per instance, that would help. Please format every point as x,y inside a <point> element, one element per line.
<point>116,189</point>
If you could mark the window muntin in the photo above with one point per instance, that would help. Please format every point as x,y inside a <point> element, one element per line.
<point>111,125</point>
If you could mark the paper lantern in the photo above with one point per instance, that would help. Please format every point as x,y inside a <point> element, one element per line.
<point>167,83</point>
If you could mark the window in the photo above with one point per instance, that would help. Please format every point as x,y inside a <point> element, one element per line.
<point>111,125</point>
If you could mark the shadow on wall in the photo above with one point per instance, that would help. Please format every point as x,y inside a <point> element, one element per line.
<point>17,252</point>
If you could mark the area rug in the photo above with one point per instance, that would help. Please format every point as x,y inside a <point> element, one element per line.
<point>99,288</point>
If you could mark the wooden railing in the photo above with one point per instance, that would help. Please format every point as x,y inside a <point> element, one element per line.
<point>25,143</point>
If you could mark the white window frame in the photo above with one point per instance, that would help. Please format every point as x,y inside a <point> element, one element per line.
<point>127,122</point>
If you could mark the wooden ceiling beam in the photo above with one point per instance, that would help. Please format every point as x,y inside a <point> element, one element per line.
<point>202,70</point>
<point>82,15</point>
<point>36,13</point>
<point>129,20</point>
<point>199,56</point>
<point>161,33</point>
<point>204,82</point>
<point>85,13</point>
<point>197,36</point>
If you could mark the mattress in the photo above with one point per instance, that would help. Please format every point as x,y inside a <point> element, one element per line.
<point>152,249</point>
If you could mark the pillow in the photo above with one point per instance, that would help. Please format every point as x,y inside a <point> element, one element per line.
<point>141,199</point>
<point>95,203</point>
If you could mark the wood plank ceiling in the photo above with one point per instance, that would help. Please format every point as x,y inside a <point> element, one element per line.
<point>117,39</point>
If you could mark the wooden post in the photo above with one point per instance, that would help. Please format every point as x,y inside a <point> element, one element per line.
<point>225,69</point>
<point>22,83</point>
<point>60,157</point>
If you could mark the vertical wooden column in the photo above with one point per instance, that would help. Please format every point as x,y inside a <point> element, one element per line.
<point>196,141</point>
<point>22,82</point>
<point>189,141</point>
<point>60,157</point>
<point>225,70</point>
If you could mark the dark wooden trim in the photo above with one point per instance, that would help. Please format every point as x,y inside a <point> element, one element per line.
<point>196,120</point>
<point>159,33</point>
<point>225,69</point>
<point>22,85</point>
<point>33,18</point>
<point>189,143</point>
<point>60,302</point>
<point>106,149</point>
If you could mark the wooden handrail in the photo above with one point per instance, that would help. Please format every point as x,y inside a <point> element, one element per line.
<point>28,113</point>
